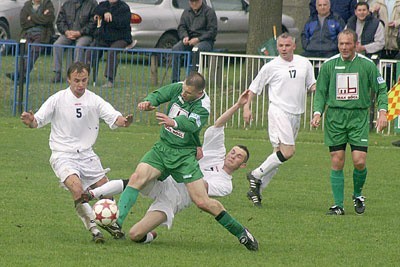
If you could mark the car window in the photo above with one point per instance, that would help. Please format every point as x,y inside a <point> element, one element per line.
<point>149,2</point>
<point>180,4</point>
<point>232,5</point>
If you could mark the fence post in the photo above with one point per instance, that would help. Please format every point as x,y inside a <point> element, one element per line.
<point>20,74</point>
<point>153,69</point>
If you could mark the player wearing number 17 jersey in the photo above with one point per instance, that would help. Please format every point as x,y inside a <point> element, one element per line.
<point>288,78</point>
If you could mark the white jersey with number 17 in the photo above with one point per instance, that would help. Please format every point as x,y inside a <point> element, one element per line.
<point>287,82</point>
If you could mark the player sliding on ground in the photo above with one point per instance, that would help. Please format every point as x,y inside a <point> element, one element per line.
<point>171,197</point>
<point>175,153</point>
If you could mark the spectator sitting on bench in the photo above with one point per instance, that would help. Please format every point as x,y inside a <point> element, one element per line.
<point>114,31</point>
<point>197,28</point>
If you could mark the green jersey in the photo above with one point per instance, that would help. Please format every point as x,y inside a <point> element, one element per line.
<point>348,84</point>
<point>190,117</point>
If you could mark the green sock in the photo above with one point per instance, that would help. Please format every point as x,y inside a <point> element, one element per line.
<point>359,178</point>
<point>230,224</point>
<point>125,203</point>
<point>337,183</point>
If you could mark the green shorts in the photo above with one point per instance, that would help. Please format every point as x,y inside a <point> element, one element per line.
<point>344,126</point>
<point>180,163</point>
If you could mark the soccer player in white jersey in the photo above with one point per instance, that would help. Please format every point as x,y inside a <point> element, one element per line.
<point>171,197</point>
<point>288,78</point>
<point>74,114</point>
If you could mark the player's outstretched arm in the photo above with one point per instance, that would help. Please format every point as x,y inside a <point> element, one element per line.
<point>145,106</point>
<point>227,115</point>
<point>124,121</point>
<point>28,118</point>
<point>247,116</point>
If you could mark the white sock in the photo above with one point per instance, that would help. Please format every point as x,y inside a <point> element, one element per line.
<point>109,189</point>
<point>149,238</point>
<point>267,178</point>
<point>270,164</point>
<point>85,212</point>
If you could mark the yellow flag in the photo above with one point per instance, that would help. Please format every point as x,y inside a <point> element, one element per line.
<point>393,102</point>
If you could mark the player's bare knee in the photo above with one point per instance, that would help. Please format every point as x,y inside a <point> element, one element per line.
<point>135,180</point>
<point>135,235</point>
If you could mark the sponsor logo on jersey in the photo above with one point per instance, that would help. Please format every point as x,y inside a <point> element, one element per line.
<point>178,133</point>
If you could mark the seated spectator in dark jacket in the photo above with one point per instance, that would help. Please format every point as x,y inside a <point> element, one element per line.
<point>370,31</point>
<point>197,28</point>
<point>36,19</point>
<point>344,8</point>
<point>319,37</point>
<point>76,26</point>
<point>114,31</point>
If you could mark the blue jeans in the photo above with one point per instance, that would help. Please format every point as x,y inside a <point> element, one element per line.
<point>78,53</point>
<point>204,46</point>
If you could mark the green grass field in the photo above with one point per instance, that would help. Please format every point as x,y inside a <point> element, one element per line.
<point>39,226</point>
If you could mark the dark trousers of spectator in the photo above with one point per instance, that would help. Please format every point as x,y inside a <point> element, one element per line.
<point>93,57</point>
<point>204,46</point>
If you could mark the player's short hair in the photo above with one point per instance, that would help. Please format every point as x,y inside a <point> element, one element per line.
<point>79,67</point>
<point>196,80</point>
<point>361,4</point>
<point>349,32</point>
<point>245,150</point>
<point>286,35</point>
<point>329,2</point>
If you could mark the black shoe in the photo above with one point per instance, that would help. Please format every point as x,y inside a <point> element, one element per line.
<point>335,210</point>
<point>359,204</point>
<point>98,238</point>
<point>248,240</point>
<point>114,230</point>
<point>254,193</point>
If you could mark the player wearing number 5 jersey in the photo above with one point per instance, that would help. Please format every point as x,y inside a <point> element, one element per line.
<point>74,114</point>
<point>288,78</point>
<point>344,88</point>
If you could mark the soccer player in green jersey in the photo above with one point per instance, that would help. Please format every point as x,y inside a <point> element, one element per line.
<point>175,153</point>
<point>344,87</point>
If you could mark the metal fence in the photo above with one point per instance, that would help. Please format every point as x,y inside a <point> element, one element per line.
<point>141,71</point>
<point>228,75</point>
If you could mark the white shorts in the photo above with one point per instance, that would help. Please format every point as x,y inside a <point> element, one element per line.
<point>283,127</point>
<point>86,165</point>
<point>169,197</point>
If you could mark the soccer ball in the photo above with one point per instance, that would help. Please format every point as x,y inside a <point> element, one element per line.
<point>106,212</point>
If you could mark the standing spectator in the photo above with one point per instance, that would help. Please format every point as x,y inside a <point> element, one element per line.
<point>370,31</point>
<point>344,88</point>
<point>344,8</point>
<point>114,31</point>
<point>388,11</point>
<point>175,153</point>
<point>197,29</point>
<point>74,115</point>
<point>76,26</point>
<point>319,37</point>
<point>36,18</point>
<point>288,77</point>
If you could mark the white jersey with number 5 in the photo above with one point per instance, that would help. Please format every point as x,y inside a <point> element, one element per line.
<point>75,121</point>
<point>287,82</point>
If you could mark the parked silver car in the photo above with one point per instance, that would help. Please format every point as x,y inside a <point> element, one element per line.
<point>155,22</point>
<point>10,27</point>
